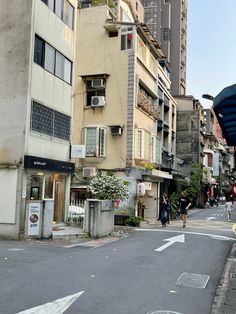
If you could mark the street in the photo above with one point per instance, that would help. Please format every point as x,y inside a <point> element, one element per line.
<point>156,270</point>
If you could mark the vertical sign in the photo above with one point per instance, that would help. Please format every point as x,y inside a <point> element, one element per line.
<point>34,217</point>
<point>216,158</point>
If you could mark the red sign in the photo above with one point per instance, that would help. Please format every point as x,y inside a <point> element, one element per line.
<point>233,189</point>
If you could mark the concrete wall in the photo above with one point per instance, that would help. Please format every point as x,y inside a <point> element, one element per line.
<point>15,38</point>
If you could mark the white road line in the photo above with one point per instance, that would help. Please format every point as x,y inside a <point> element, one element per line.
<point>54,307</point>
<point>187,232</point>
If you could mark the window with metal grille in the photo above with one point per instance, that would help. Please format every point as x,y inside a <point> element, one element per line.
<point>50,122</point>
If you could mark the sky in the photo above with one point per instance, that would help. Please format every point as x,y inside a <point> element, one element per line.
<point>211,47</point>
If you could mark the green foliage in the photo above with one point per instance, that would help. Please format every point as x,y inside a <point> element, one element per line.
<point>149,166</point>
<point>195,184</point>
<point>108,187</point>
<point>110,3</point>
<point>133,221</point>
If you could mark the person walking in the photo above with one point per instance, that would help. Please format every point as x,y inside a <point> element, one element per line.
<point>185,203</point>
<point>228,208</point>
<point>164,210</point>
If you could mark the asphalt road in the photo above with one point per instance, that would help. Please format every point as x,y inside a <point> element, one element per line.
<point>147,272</point>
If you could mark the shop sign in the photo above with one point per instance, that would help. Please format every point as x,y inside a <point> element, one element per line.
<point>141,189</point>
<point>233,189</point>
<point>34,217</point>
<point>33,162</point>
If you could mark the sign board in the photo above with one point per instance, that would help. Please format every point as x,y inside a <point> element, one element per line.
<point>141,189</point>
<point>34,219</point>
<point>77,151</point>
<point>233,189</point>
<point>148,186</point>
<point>216,159</point>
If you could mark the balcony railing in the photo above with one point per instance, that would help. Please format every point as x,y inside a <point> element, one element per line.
<point>147,106</point>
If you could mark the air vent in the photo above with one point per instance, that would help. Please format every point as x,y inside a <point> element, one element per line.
<point>116,130</point>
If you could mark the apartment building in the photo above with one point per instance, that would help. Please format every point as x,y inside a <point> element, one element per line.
<point>37,44</point>
<point>121,94</point>
<point>167,21</point>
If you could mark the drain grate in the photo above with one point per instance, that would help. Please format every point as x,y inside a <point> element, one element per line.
<point>233,276</point>
<point>193,280</point>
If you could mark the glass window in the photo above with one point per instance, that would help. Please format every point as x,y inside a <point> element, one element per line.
<point>127,38</point>
<point>59,69</point>
<point>90,141</point>
<point>39,51</point>
<point>58,7</point>
<point>67,71</point>
<point>101,142</point>
<point>49,63</point>
<point>139,144</point>
<point>71,17</point>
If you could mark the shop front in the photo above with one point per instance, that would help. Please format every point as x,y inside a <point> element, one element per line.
<point>47,183</point>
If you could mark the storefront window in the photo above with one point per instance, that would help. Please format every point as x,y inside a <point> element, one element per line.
<point>34,186</point>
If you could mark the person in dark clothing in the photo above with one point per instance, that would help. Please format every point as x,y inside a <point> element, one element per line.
<point>164,210</point>
<point>185,203</point>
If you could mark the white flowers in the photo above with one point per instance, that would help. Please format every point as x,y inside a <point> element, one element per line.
<point>108,187</point>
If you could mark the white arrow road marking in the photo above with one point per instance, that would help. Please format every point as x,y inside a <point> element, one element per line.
<point>54,307</point>
<point>186,232</point>
<point>179,238</point>
<point>210,218</point>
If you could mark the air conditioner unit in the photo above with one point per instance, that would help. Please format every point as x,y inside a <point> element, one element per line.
<point>89,172</point>
<point>98,101</point>
<point>116,130</point>
<point>98,83</point>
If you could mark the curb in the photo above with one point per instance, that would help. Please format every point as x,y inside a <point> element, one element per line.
<point>222,298</point>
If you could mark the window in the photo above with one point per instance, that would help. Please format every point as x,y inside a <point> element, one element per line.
<point>94,139</point>
<point>52,60</point>
<point>91,90</point>
<point>143,145</point>
<point>50,122</point>
<point>63,9</point>
<point>127,38</point>
<point>166,34</point>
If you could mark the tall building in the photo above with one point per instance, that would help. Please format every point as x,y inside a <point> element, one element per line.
<point>167,21</point>
<point>37,55</point>
<point>124,113</point>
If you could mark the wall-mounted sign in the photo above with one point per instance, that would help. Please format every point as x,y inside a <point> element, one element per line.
<point>141,189</point>
<point>233,189</point>
<point>77,151</point>
<point>34,162</point>
<point>34,219</point>
<point>148,186</point>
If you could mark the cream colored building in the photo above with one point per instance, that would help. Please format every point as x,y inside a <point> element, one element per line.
<point>121,92</point>
<point>37,45</point>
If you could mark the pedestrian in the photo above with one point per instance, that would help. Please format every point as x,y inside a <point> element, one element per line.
<point>185,203</point>
<point>163,210</point>
<point>228,208</point>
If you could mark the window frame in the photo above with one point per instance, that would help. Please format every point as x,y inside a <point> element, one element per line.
<point>57,53</point>
<point>100,141</point>
<point>125,32</point>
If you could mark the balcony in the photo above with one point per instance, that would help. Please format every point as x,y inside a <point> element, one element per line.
<point>147,106</point>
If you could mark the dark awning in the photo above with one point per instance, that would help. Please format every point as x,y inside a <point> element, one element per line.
<point>224,106</point>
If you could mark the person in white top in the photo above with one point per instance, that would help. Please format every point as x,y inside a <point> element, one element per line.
<point>228,209</point>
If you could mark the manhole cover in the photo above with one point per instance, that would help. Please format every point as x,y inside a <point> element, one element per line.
<point>163,312</point>
<point>233,276</point>
<point>193,280</point>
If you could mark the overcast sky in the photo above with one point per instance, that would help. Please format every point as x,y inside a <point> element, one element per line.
<point>211,44</point>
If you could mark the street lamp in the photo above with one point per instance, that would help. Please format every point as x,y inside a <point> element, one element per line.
<point>207,96</point>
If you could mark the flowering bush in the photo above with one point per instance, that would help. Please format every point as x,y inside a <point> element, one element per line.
<point>105,187</point>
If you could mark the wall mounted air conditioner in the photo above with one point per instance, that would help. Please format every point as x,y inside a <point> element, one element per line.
<point>97,83</point>
<point>89,172</point>
<point>116,130</point>
<point>98,101</point>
